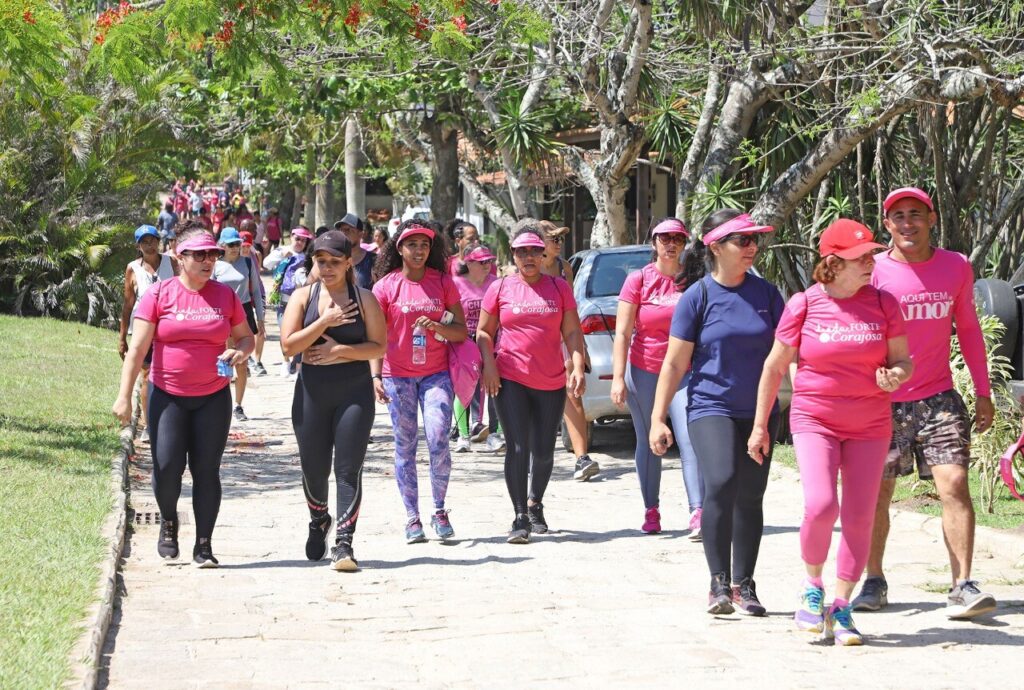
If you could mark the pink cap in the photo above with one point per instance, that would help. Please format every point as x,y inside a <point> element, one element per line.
<point>742,224</point>
<point>302,232</point>
<point>415,230</point>
<point>528,239</point>
<point>907,193</point>
<point>368,246</point>
<point>668,226</point>
<point>198,243</point>
<point>480,253</point>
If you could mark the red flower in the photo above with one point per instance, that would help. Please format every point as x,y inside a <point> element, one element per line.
<point>460,23</point>
<point>28,18</point>
<point>353,16</point>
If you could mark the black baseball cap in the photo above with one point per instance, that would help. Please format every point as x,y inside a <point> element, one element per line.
<point>334,243</point>
<point>350,219</point>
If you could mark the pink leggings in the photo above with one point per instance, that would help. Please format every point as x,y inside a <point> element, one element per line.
<point>821,458</point>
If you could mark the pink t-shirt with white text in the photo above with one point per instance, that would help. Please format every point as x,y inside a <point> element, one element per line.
<point>192,329</point>
<point>655,295</point>
<point>932,295</point>
<point>841,343</point>
<point>472,296</point>
<point>404,301</point>
<point>529,346</point>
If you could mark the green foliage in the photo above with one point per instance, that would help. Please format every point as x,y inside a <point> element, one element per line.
<point>525,135</point>
<point>987,448</point>
<point>670,125</point>
<point>720,194</point>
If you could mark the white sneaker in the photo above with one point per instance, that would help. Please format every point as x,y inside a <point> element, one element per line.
<point>494,443</point>
<point>284,369</point>
<point>462,445</point>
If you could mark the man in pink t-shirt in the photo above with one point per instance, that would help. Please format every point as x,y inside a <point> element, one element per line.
<point>931,424</point>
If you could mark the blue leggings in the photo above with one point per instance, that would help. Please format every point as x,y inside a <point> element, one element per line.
<point>433,396</point>
<point>641,386</point>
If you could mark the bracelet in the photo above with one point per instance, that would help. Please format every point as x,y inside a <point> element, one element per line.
<point>378,377</point>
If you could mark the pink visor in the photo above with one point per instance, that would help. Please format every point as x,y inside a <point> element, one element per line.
<point>742,224</point>
<point>907,193</point>
<point>198,243</point>
<point>528,239</point>
<point>415,230</point>
<point>480,254</point>
<point>302,232</point>
<point>668,226</point>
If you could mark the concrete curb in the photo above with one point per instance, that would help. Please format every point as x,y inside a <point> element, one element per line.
<point>85,655</point>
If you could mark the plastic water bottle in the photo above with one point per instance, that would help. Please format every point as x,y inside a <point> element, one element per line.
<point>419,345</point>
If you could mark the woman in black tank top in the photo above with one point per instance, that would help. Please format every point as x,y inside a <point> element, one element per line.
<point>337,327</point>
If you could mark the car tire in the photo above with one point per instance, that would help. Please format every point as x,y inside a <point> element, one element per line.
<point>996,297</point>
<point>567,442</point>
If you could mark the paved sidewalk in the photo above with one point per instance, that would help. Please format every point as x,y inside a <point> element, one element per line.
<point>593,604</point>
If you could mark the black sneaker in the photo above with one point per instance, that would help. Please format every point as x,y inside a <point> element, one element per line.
<point>167,546</point>
<point>874,595</point>
<point>967,601</point>
<point>720,596</point>
<point>202,555</point>
<point>240,414</point>
<point>342,557</point>
<point>520,532</point>
<point>585,468</point>
<point>316,542</point>
<point>260,369</point>
<point>744,597</point>
<point>537,522</point>
<point>453,435</point>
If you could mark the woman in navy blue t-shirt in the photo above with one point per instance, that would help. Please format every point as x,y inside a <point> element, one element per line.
<point>724,326</point>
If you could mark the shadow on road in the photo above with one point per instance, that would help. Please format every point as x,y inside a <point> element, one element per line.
<point>430,560</point>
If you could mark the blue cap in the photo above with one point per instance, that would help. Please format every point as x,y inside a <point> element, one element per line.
<point>229,235</point>
<point>143,231</point>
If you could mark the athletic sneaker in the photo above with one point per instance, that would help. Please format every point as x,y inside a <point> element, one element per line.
<point>442,525</point>
<point>585,468</point>
<point>494,443</point>
<point>874,595</point>
<point>652,521</point>
<point>520,532</point>
<point>967,601</point>
<point>414,532</point>
<point>167,546</point>
<point>342,557</point>
<point>694,534</point>
<point>479,433</point>
<point>744,596</point>
<point>285,370</point>
<point>462,445</point>
<point>720,596</point>
<point>810,617</point>
<point>454,433</point>
<point>316,542</point>
<point>839,626</point>
<point>537,522</point>
<point>202,555</point>
<point>260,369</point>
<point>240,414</point>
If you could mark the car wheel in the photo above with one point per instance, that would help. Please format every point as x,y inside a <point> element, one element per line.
<point>996,297</point>
<point>567,442</point>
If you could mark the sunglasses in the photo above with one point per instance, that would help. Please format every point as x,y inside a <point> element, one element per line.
<point>744,241</point>
<point>482,261</point>
<point>522,252</point>
<point>204,255</point>
<point>556,240</point>
<point>672,238</point>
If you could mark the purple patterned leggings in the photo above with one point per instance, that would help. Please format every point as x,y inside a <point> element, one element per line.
<point>433,395</point>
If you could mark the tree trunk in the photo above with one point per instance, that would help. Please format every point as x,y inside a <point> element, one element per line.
<point>309,212</point>
<point>297,208</point>
<point>355,184</point>
<point>698,145</point>
<point>324,202</point>
<point>444,166</point>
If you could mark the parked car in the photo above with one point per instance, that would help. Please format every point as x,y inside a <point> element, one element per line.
<point>1005,301</point>
<point>599,275</point>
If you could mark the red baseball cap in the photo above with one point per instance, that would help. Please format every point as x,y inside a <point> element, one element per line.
<point>247,237</point>
<point>907,193</point>
<point>847,239</point>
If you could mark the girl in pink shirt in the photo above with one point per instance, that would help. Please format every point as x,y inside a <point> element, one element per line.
<point>419,300</point>
<point>646,304</point>
<point>523,320</point>
<point>187,319</point>
<point>853,355</point>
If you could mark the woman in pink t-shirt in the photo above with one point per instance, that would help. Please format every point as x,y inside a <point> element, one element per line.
<point>422,310</point>
<point>472,278</point>
<point>646,304</point>
<point>187,319</point>
<point>523,320</point>
<point>853,354</point>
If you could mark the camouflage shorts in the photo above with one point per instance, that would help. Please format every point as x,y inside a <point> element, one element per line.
<point>933,431</point>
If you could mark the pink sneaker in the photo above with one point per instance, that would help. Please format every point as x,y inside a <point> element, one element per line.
<point>652,521</point>
<point>695,525</point>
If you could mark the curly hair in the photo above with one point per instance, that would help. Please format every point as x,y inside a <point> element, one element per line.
<point>824,271</point>
<point>388,259</point>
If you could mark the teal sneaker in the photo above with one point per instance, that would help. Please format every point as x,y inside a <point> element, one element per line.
<point>414,532</point>
<point>839,626</point>
<point>810,616</point>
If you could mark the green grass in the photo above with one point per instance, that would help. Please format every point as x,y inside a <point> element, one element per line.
<point>919,496</point>
<point>57,438</point>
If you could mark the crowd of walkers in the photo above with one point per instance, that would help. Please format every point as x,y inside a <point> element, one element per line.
<point>701,348</point>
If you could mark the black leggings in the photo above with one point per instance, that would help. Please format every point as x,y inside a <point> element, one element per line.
<point>732,518</point>
<point>190,430</point>
<point>332,414</point>
<point>529,418</point>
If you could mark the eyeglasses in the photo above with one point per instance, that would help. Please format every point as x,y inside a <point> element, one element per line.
<point>523,252</point>
<point>204,255</point>
<point>672,238</point>
<point>744,241</point>
<point>556,240</point>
